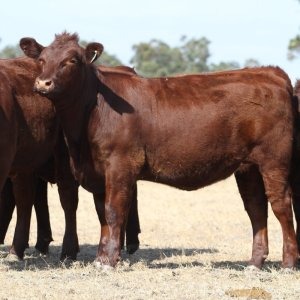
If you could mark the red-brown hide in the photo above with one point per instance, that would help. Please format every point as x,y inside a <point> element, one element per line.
<point>186,131</point>
<point>30,146</point>
<point>37,138</point>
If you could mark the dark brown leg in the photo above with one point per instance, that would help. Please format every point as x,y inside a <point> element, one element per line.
<point>68,194</point>
<point>69,201</point>
<point>24,187</point>
<point>7,206</point>
<point>44,233</point>
<point>133,225</point>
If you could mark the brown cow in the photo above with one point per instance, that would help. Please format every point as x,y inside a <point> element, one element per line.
<point>36,139</point>
<point>186,131</point>
<point>30,137</point>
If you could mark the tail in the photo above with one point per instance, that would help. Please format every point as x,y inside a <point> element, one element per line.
<point>296,110</point>
<point>295,164</point>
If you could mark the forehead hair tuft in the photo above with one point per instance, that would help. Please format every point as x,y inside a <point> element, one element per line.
<point>65,37</point>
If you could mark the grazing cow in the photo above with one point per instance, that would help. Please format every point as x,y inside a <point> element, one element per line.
<point>185,131</point>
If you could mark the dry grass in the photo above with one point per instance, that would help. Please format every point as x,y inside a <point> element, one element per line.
<point>194,245</point>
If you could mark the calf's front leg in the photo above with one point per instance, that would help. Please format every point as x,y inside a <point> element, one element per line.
<point>118,195</point>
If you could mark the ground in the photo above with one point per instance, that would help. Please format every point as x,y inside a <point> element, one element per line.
<point>194,245</point>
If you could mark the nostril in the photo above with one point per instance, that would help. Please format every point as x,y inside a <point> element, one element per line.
<point>48,83</point>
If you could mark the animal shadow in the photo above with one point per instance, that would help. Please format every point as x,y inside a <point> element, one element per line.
<point>152,258</point>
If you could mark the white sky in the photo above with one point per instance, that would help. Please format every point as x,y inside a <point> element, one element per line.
<point>237,29</point>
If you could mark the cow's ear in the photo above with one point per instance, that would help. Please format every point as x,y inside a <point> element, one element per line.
<point>93,51</point>
<point>31,47</point>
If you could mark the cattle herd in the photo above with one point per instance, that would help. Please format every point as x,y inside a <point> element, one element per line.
<point>64,120</point>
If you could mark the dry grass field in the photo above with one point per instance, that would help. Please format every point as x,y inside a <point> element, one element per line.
<point>194,245</point>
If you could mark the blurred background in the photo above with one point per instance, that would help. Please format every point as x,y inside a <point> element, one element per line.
<point>160,38</point>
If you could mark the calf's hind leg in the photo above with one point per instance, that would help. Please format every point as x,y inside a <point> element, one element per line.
<point>252,191</point>
<point>279,194</point>
<point>24,187</point>
<point>133,224</point>
<point>68,195</point>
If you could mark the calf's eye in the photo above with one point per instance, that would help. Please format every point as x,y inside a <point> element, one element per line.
<point>73,61</point>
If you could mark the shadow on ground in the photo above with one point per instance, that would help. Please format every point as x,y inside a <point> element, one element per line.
<point>152,258</point>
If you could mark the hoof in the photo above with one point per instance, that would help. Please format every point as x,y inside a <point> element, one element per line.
<point>69,252</point>
<point>42,250</point>
<point>289,265</point>
<point>131,248</point>
<point>65,257</point>
<point>43,246</point>
<point>19,254</point>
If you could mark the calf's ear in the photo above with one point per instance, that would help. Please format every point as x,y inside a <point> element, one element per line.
<point>93,51</point>
<point>31,47</point>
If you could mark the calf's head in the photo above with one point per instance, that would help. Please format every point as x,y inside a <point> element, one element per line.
<point>63,63</point>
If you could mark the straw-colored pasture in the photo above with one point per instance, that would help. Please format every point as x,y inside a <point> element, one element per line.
<point>194,245</point>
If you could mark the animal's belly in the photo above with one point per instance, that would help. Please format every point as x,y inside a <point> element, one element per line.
<point>191,176</point>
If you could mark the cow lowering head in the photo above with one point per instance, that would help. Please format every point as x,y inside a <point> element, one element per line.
<point>63,62</point>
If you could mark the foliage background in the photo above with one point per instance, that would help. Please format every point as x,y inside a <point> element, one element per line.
<point>156,58</point>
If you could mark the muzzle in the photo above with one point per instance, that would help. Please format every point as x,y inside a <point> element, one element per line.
<point>43,86</point>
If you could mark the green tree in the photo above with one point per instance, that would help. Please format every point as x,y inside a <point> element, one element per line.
<point>107,59</point>
<point>251,62</point>
<point>157,58</point>
<point>11,51</point>
<point>224,66</point>
<point>15,51</point>
<point>195,54</point>
<point>294,46</point>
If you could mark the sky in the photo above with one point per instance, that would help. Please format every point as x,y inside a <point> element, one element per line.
<point>237,29</point>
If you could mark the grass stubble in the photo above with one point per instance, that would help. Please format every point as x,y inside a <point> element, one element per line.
<point>194,245</point>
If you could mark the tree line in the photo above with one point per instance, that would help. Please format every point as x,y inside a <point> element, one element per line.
<point>157,58</point>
